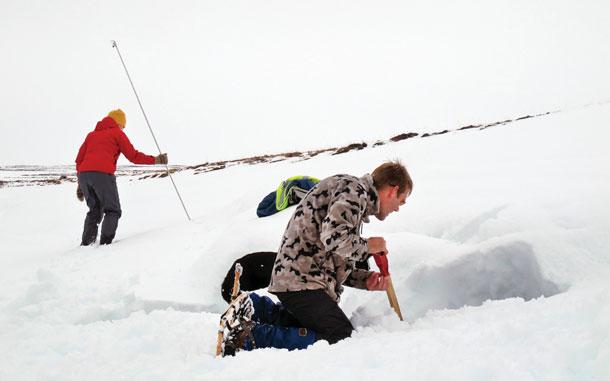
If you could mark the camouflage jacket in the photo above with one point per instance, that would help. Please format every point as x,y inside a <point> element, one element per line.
<point>322,240</point>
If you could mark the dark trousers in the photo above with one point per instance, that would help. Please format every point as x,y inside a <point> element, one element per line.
<point>300,319</point>
<point>315,310</point>
<point>102,198</point>
<point>275,327</point>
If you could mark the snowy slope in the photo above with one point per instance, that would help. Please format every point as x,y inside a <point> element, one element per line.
<point>500,259</point>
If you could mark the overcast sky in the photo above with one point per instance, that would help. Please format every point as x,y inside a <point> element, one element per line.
<point>215,76</point>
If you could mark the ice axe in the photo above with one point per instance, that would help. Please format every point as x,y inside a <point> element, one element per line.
<point>234,292</point>
<point>382,263</point>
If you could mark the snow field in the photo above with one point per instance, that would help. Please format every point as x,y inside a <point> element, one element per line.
<point>500,260</point>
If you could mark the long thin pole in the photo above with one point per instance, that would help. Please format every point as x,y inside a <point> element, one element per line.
<point>114,45</point>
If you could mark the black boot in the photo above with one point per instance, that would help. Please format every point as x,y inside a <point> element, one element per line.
<point>89,236</point>
<point>88,241</point>
<point>104,240</point>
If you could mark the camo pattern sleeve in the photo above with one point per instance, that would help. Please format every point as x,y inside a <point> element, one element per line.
<point>357,278</point>
<point>322,240</point>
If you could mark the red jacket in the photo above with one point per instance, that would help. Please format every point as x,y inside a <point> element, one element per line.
<point>102,147</point>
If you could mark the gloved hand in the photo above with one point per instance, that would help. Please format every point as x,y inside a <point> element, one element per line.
<point>377,282</point>
<point>161,159</point>
<point>79,194</point>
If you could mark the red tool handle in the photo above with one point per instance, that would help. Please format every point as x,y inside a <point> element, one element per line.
<point>382,262</point>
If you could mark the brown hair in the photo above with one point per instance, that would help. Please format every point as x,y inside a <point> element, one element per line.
<point>392,173</point>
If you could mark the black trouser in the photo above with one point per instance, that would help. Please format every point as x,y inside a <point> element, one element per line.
<point>102,197</point>
<point>315,310</point>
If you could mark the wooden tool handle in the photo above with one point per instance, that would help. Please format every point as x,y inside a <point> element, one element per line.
<point>392,298</point>
<point>235,291</point>
<point>219,342</point>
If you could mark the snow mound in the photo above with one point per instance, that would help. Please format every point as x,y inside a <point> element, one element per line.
<point>507,271</point>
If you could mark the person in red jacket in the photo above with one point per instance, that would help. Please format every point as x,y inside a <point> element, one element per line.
<point>95,167</point>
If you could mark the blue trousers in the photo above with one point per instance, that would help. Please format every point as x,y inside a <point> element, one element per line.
<point>276,327</point>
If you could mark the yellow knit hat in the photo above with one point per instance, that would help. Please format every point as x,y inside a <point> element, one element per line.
<point>118,116</point>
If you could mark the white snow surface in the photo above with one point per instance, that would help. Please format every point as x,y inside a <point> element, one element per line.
<point>500,259</point>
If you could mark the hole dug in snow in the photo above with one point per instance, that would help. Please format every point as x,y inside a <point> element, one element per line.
<point>502,272</point>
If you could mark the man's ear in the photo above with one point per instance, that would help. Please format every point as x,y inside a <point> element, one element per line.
<point>394,191</point>
<point>388,191</point>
